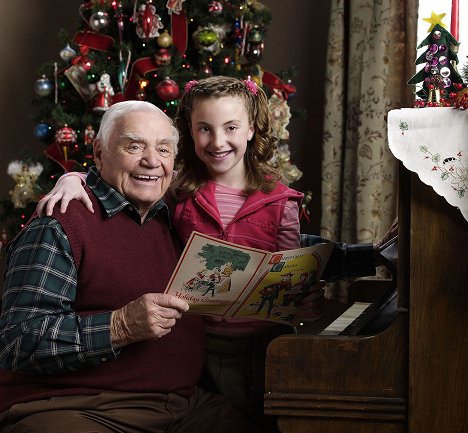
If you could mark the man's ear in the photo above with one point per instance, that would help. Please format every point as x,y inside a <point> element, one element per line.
<point>97,151</point>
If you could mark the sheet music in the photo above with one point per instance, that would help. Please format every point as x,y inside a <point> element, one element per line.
<point>348,317</point>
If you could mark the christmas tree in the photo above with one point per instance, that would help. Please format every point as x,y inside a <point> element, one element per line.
<point>439,76</point>
<point>138,49</point>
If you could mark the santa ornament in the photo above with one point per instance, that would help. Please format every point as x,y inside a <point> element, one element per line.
<point>104,99</point>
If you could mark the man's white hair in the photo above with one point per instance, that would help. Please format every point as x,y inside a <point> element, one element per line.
<point>121,109</point>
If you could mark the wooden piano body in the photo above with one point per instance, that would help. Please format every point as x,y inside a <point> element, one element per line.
<point>411,377</point>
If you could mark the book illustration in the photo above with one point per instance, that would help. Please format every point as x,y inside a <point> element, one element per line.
<point>278,294</point>
<point>224,279</point>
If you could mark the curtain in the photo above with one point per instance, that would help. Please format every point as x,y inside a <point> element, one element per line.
<point>370,58</point>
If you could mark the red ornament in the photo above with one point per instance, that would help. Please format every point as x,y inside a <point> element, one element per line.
<point>167,90</point>
<point>163,57</point>
<point>65,136</point>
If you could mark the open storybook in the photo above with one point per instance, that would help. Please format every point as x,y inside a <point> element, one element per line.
<point>224,279</point>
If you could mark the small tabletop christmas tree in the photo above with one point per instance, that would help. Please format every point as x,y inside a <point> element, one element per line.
<point>439,76</point>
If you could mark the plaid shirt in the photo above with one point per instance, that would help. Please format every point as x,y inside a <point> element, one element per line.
<point>39,330</point>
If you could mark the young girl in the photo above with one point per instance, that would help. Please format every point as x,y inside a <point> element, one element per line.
<point>228,186</point>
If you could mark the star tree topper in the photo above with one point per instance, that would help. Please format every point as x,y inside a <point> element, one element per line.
<point>435,19</point>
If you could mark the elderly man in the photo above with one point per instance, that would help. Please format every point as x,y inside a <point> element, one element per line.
<point>88,341</point>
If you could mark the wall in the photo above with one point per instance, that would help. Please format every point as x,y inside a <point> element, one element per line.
<point>28,38</point>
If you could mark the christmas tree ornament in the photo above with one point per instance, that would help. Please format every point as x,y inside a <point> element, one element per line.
<point>25,175</point>
<point>167,89</point>
<point>163,57</point>
<point>215,8</point>
<point>88,139</point>
<point>43,87</point>
<point>148,21</point>
<point>255,35</point>
<point>305,211</point>
<point>92,76</point>
<point>205,37</point>
<point>122,73</point>
<point>461,99</point>
<point>43,131</point>
<point>164,40</point>
<point>104,98</point>
<point>174,6</point>
<point>67,53</point>
<point>280,114</point>
<point>99,21</point>
<point>63,83</point>
<point>289,170</point>
<point>66,136</point>
<point>209,38</point>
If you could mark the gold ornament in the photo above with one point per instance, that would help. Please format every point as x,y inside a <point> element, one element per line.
<point>164,40</point>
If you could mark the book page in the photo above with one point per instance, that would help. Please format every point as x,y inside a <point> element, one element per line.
<point>212,275</point>
<point>291,275</point>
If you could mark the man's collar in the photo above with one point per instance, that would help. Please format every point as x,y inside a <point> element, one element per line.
<point>113,202</point>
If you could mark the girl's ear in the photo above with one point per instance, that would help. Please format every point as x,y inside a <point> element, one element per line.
<point>251,133</point>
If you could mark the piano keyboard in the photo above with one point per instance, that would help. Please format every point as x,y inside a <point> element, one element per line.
<point>346,319</point>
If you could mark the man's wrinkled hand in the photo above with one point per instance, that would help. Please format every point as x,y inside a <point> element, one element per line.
<point>148,318</point>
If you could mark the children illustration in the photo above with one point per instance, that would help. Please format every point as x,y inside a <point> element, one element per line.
<point>228,186</point>
<point>271,292</point>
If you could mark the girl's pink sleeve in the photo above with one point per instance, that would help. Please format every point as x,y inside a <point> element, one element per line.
<point>289,233</point>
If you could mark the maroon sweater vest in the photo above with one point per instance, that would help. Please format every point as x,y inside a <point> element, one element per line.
<point>118,260</point>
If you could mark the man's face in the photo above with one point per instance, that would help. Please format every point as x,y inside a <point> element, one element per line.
<point>139,158</point>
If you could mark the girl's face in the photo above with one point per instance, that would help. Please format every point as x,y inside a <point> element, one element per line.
<point>220,130</point>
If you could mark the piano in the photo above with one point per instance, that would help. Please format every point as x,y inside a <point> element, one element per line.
<point>404,371</point>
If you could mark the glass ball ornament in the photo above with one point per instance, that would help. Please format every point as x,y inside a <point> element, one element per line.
<point>65,136</point>
<point>92,76</point>
<point>164,40</point>
<point>43,86</point>
<point>255,36</point>
<point>167,90</point>
<point>99,21</point>
<point>63,83</point>
<point>67,53</point>
<point>42,131</point>
<point>215,8</point>
<point>205,37</point>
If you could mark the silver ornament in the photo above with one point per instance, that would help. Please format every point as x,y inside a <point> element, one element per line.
<point>99,21</point>
<point>43,86</point>
<point>67,53</point>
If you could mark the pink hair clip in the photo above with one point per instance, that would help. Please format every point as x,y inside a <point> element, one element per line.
<point>251,86</point>
<point>190,85</point>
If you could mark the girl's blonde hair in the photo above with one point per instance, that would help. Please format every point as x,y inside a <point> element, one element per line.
<point>260,156</point>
